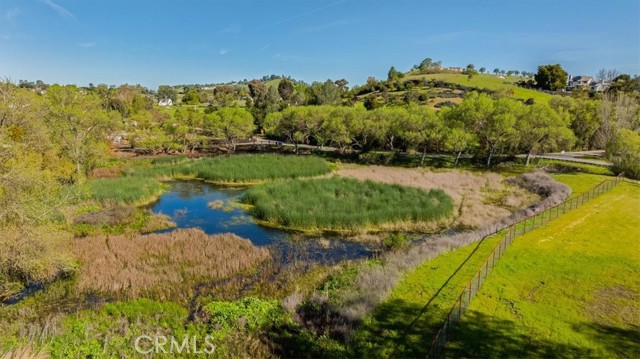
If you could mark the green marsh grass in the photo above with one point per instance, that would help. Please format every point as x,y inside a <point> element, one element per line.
<point>130,190</point>
<point>344,204</point>
<point>238,168</point>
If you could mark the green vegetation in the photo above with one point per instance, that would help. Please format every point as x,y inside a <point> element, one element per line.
<point>551,77</point>
<point>131,189</point>
<point>250,313</point>
<point>111,331</point>
<point>345,204</point>
<point>488,82</point>
<point>236,169</point>
<point>581,293</point>
<point>405,324</point>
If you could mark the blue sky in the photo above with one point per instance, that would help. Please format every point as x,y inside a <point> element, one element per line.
<point>154,42</point>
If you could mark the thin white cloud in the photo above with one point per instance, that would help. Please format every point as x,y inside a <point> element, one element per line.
<point>12,13</point>
<point>87,44</point>
<point>231,29</point>
<point>223,51</point>
<point>326,26</point>
<point>264,48</point>
<point>59,9</point>
<point>301,15</point>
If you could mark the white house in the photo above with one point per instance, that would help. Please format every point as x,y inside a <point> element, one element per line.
<point>165,102</point>
<point>586,82</point>
<point>579,81</point>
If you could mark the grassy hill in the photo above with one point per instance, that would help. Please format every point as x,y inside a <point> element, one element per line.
<point>273,83</point>
<point>486,81</point>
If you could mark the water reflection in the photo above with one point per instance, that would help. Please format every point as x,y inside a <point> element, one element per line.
<point>215,209</point>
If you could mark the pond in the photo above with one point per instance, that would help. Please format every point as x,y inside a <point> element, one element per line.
<point>216,209</point>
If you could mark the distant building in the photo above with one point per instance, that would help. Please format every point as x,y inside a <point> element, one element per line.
<point>587,82</point>
<point>165,102</point>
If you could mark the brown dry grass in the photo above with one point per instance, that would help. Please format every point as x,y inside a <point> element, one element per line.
<point>479,199</point>
<point>24,353</point>
<point>145,264</point>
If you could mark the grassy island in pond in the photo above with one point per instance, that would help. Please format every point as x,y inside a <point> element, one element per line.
<point>338,204</point>
<point>140,182</point>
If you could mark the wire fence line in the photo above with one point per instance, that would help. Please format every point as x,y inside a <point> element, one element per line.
<point>526,225</point>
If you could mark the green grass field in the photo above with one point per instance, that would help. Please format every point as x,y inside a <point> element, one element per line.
<point>488,82</point>
<point>405,324</point>
<point>568,289</point>
<point>344,204</point>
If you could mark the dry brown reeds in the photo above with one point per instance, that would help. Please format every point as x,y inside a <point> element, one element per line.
<point>25,353</point>
<point>145,263</point>
<point>111,216</point>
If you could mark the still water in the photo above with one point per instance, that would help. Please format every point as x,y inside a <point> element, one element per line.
<point>215,209</point>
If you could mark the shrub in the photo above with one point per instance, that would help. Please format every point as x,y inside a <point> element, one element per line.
<point>624,151</point>
<point>396,241</point>
<point>249,313</point>
<point>31,256</point>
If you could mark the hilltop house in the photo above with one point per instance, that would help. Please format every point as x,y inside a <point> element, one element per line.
<point>587,82</point>
<point>165,102</point>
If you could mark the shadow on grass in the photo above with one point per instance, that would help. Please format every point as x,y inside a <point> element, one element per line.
<point>482,336</point>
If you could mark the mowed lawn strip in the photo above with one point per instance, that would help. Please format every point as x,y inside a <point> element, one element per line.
<point>570,288</point>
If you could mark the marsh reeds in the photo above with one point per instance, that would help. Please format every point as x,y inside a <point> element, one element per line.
<point>344,204</point>
<point>145,263</point>
<point>237,169</point>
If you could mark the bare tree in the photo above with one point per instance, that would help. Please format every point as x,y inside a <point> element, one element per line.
<point>607,74</point>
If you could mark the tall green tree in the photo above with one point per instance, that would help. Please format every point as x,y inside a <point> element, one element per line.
<point>551,77</point>
<point>230,124</point>
<point>541,129</point>
<point>326,93</point>
<point>492,120</point>
<point>624,152</point>
<point>79,124</point>
<point>423,128</point>
<point>166,91</point>
<point>285,89</point>
<point>583,115</point>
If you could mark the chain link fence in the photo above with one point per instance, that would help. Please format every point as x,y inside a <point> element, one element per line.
<point>526,225</point>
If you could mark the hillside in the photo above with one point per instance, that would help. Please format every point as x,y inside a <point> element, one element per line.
<point>489,82</point>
